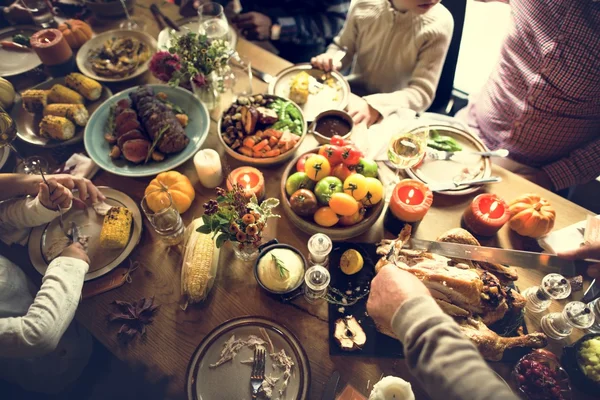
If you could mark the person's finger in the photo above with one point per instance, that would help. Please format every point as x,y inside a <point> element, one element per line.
<point>329,64</point>
<point>52,186</point>
<point>58,193</point>
<point>589,251</point>
<point>82,188</point>
<point>358,118</point>
<point>63,200</point>
<point>352,112</point>
<point>44,193</point>
<point>78,204</point>
<point>594,271</point>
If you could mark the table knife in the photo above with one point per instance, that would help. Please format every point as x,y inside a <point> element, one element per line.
<point>158,14</point>
<point>525,259</point>
<point>263,76</point>
<point>443,186</point>
<point>331,386</point>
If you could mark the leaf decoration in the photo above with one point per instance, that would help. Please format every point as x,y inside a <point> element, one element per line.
<point>135,316</point>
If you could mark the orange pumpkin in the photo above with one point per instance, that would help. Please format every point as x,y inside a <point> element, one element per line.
<point>531,216</point>
<point>179,187</point>
<point>76,32</point>
<point>410,200</point>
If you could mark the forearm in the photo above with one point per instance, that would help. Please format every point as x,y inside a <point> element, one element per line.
<point>441,357</point>
<point>18,185</point>
<point>313,28</point>
<point>581,166</point>
<point>38,332</point>
<point>24,213</point>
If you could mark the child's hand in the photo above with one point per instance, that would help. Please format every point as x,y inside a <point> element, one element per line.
<point>54,195</point>
<point>325,62</point>
<point>86,189</point>
<point>76,250</point>
<point>361,111</point>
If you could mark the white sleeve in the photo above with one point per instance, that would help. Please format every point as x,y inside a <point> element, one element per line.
<point>18,215</point>
<point>39,331</point>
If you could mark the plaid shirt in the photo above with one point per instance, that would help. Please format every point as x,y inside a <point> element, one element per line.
<point>542,102</point>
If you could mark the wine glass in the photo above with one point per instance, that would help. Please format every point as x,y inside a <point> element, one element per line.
<point>132,24</point>
<point>212,22</point>
<point>239,76</point>
<point>406,149</point>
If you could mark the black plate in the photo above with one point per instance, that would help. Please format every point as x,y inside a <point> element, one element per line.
<point>378,344</point>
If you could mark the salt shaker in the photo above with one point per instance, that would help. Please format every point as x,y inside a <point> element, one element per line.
<point>319,247</point>
<point>560,325</point>
<point>553,287</point>
<point>595,307</point>
<point>316,281</point>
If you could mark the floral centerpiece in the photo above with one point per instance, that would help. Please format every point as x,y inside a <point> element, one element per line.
<point>193,62</point>
<point>235,218</point>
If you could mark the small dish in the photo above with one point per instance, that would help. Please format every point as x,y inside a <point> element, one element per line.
<point>17,62</point>
<point>524,374</point>
<point>324,139</point>
<point>264,250</point>
<point>572,364</point>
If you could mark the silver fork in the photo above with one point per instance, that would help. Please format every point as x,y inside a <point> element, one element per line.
<point>447,155</point>
<point>258,371</point>
<point>60,216</point>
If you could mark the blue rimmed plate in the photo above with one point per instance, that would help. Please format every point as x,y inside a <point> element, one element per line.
<point>197,130</point>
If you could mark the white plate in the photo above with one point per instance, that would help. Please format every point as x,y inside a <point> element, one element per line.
<point>97,41</point>
<point>90,224</point>
<point>326,99</point>
<point>15,62</point>
<point>28,125</point>
<point>188,25</point>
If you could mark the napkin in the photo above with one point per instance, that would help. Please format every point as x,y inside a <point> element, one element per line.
<point>565,239</point>
<point>81,166</point>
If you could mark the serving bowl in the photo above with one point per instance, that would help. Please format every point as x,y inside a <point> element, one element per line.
<point>322,139</point>
<point>264,250</point>
<point>560,376</point>
<point>262,161</point>
<point>572,363</point>
<point>310,227</point>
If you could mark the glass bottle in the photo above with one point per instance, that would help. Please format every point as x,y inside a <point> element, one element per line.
<point>319,247</point>
<point>553,287</point>
<point>560,325</point>
<point>595,307</point>
<point>316,281</point>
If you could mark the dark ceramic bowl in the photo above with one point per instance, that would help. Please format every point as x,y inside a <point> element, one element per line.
<point>264,249</point>
<point>572,363</point>
<point>562,378</point>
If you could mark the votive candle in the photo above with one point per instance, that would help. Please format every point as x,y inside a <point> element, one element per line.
<point>486,214</point>
<point>208,167</point>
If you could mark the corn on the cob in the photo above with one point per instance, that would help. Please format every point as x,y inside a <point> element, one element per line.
<point>299,88</point>
<point>74,112</point>
<point>62,94</point>
<point>116,228</point>
<point>200,263</point>
<point>89,88</point>
<point>58,128</point>
<point>34,101</point>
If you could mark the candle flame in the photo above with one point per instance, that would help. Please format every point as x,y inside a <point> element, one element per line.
<point>494,206</point>
<point>246,179</point>
<point>411,193</point>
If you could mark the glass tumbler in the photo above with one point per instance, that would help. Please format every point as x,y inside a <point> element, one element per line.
<point>165,219</point>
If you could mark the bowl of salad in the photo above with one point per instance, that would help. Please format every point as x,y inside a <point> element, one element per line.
<point>262,129</point>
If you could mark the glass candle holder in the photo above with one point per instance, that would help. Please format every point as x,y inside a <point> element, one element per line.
<point>165,219</point>
<point>319,247</point>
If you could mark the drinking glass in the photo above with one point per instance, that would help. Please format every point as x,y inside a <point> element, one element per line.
<point>406,149</point>
<point>239,76</point>
<point>212,21</point>
<point>40,11</point>
<point>167,220</point>
<point>132,24</point>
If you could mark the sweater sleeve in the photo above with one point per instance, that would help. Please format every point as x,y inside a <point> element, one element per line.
<point>418,94</point>
<point>441,357</point>
<point>39,331</point>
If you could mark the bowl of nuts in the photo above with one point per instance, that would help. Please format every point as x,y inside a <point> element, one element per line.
<point>262,129</point>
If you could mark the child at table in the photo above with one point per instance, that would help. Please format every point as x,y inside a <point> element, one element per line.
<point>396,50</point>
<point>39,347</point>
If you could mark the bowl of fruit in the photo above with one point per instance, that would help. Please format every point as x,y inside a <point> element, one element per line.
<point>332,189</point>
<point>539,375</point>
<point>262,129</point>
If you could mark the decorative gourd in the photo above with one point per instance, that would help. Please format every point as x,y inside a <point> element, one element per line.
<point>7,94</point>
<point>76,32</point>
<point>531,216</point>
<point>179,187</point>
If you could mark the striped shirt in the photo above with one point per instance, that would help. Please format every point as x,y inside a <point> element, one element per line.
<point>542,102</point>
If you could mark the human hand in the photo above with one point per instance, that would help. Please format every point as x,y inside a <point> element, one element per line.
<point>361,111</point>
<point>54,195</point>
<point>391,288</point>
<point>325,62</point>
<point>77,251</point>
<point>591,251</point>
<point>87,190</point>
<point>254,25</point>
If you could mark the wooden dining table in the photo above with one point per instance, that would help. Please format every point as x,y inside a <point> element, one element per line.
<point>164,353</point>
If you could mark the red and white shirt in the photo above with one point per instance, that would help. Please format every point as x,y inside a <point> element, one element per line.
<point>542,101</point>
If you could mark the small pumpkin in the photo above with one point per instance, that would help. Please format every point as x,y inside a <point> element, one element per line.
<point>7,94</point>
<point>179,187</point>
<point>531,216</point>
<point>76,32</point>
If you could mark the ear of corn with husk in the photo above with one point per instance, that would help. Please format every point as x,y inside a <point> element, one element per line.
<point>64,95</point>
<point>34,100</point>
<point>89,88</point>
<point>200,262</point>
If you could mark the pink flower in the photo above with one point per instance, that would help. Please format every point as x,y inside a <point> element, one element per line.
<point>199,80</point>
<point>163,64</point>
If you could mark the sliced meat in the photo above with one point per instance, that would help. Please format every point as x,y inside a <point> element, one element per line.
<point>126,115</point>
<point>172,143</point>
<point>127,126</point>
<point>136,150</point>
<point>124,103</point>
<point>131,135</point>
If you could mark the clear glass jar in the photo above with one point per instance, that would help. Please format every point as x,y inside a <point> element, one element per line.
<point>595,307</point>
<point>245,252</point>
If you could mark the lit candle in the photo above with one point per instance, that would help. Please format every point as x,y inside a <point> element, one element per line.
<point>53,50</point>
<point>250,179</point>
<point>486,214</point>
<point>208,168</point>
<point>392,388</point>
<point>410,200</point>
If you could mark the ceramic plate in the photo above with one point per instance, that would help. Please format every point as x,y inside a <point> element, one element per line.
<point>232,379</point>
<point>188,25</point>
<point>14,62</point>
<point>98,41</point>
<point>4,153</point>
<point>43,239</point>
<point>326,98</point>
<point>28,124</point>
<point>197,130</point>
<point>440,171</point>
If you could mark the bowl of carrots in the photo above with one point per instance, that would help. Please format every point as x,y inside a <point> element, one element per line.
<point>262,129</point>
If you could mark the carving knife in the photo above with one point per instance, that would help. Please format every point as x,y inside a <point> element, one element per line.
<point>263,76</point>
<point>331,386</point>
<point>526,259</point>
